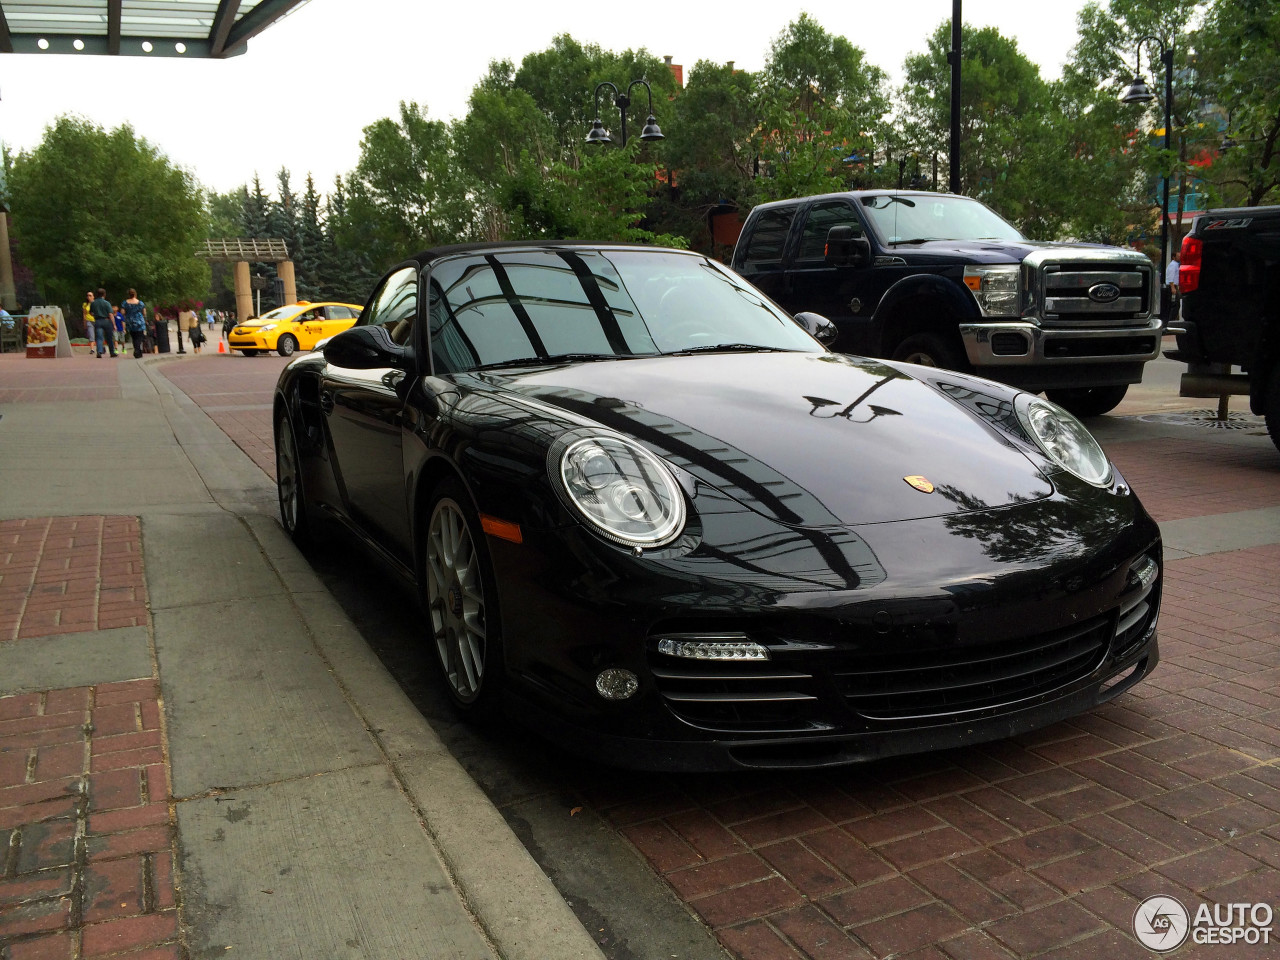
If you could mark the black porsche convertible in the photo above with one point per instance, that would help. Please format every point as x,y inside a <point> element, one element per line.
<point>648,513</point>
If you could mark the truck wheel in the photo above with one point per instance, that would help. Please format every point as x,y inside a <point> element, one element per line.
<point>1088,401</point>
<point>928,350</point>
<point>1271,406</point>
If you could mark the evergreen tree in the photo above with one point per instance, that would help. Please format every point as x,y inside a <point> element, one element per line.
<point>310,245</point>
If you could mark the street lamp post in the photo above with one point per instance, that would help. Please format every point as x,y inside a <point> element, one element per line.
<point>1138,92</point>
<point>599,135</point>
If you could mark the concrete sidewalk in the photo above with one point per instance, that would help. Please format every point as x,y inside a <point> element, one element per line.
<point>199,754</point>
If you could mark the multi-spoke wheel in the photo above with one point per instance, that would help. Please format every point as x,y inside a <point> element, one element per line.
<point>293,506</point>
<point>286,345</point>
<point>460,598</point>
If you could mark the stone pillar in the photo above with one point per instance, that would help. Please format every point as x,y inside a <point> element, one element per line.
<point>8,297</point>
<point>284,270</point>
<point>244,294</point>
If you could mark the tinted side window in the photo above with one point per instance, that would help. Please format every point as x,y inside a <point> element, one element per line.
<point>822,217</point>
<point>769,235</point>
<point>395,305</point>
<point>340,313</point>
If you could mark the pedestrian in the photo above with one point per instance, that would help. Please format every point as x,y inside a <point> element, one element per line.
<point>186,319</point>
<point>103,328</point>
<point>135,321</point>
<point>117,319</point>
<point>197,336</point>
<point>88,318</point>
<point>1172,292</point>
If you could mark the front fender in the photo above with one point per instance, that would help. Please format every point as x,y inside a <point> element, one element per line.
<point>953,302</point>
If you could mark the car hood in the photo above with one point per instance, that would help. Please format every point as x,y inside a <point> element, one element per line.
<point>981,251</point>
<point>252,324</point>
<point>809,439</point>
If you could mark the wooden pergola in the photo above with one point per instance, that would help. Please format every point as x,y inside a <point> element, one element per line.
<point>243,251</point>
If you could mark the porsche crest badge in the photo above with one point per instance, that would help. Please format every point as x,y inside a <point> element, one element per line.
<point>920,483</point>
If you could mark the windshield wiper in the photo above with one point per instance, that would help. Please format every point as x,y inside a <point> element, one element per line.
<point>553,358</point>
<point>727,348</point>
<point>896,243</point>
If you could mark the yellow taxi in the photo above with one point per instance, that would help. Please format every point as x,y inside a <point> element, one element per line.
<point>298,326</point>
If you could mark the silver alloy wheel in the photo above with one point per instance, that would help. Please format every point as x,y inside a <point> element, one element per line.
<point>287,473</point>
<point>455,599</point>
<point>286,345</point>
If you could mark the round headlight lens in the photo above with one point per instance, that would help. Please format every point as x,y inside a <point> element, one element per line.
<point>1065,440</point>
<point>623,490</point>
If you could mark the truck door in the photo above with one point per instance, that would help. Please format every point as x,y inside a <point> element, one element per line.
<point>844,295</point>
<point>766,244</point>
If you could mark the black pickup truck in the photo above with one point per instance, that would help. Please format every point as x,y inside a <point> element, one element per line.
<point>1229,278</point>
<point>941,279</point>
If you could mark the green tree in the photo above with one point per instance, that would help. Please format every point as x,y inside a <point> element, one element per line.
<point>405,188</point>
<point>818,101</point>
<point>1239,59</point>
<point>308,255</point>
<point>106,208</point>
<point>1003,110</point>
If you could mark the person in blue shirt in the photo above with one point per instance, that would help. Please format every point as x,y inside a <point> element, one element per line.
<point>103,328</point>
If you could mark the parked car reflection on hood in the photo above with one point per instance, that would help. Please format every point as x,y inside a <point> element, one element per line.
<point>651,515</point>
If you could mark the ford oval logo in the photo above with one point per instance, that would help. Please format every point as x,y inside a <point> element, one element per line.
<point>1104,292</point>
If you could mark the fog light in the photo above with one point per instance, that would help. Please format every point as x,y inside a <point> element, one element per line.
<point>1145,570</point>
<point>616,683</point>
<point>713,648</point>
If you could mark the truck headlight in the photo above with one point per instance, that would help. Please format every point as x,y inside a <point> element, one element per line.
<point>997,289</point>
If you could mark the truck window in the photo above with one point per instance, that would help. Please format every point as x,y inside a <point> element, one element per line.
<point>769,235</point>
<point>822,217</point>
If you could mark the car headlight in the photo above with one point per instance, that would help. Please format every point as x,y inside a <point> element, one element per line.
<point>1064,439</point>
<point>267,329</point>
<point>996,288</point>
<point>622,490</point>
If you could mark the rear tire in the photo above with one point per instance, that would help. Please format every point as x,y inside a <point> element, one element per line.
<point>928,350</point>
<point>1271,406</point>
<point>460,596</point>
<point>286,345</point>
<point>1088,401</point>
<point>289,486</point>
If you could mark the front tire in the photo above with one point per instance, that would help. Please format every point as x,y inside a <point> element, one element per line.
<point>286,345</point>
<point>289,485</point>
<point>928,350</point>
<point>1088,401</point>
<point>460,595</point>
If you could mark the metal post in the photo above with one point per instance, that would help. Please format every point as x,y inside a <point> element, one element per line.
<point>1166,57</point>
<point>954,58</point>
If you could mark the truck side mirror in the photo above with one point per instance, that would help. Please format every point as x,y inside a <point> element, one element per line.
<point>845,248</point>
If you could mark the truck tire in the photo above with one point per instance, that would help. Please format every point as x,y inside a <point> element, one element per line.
<point>928,350</point>
<point>1271,406</point>
<point>1088,401</point>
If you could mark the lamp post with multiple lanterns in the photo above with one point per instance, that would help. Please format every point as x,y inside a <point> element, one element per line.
<point>1138,92</point>
<point>599,135</point>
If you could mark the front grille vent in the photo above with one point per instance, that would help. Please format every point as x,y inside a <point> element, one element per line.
<point>1138,609</point>
<point>736,696</point>
<point>1068,302</point>
<point>910,686</point>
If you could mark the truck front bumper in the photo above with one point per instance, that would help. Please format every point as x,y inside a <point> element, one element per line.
<point>1029,355</point>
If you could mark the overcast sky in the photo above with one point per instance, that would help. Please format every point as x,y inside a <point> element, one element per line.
<point>306,88</point>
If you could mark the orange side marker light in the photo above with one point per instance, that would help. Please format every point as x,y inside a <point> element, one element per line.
<point>502,529</point>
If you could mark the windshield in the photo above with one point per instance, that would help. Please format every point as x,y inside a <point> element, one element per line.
<point>547,306</point>
<point>280,313</point>
<point>914,219</point>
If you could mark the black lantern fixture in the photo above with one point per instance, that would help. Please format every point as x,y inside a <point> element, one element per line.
<point>599,135</point>
<point>1138,92</point>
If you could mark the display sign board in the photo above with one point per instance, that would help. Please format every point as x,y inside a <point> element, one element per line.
<point>47,333</point>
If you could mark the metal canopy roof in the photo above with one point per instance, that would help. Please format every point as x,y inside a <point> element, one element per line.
<point>137,28</point>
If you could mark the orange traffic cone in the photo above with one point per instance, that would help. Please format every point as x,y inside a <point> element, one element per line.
<point>222,347</point>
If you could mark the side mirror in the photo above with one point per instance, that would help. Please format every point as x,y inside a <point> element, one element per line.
<point>366,348</point>
<point>845,248</point>
<point>817,326</point>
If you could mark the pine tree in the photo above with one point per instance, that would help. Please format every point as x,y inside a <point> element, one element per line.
<point>310,244</point>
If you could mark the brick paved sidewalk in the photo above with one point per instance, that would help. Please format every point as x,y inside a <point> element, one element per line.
<point>86,830</point>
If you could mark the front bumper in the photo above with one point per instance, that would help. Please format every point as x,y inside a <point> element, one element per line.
<point>241,341</point>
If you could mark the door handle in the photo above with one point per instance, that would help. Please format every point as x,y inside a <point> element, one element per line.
<point>326,401</point>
